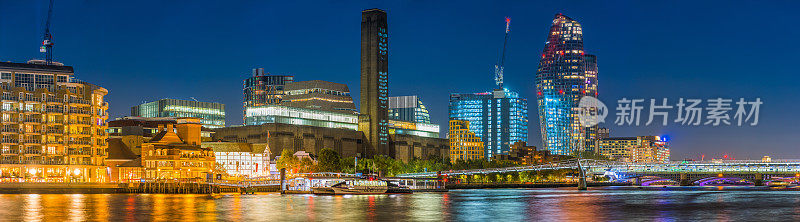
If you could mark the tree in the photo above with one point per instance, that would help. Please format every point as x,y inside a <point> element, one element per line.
<point>287,160</point>
<point>328,161</point>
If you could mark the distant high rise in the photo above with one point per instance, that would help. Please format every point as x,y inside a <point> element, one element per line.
<point>565,75</point>
<point>499,118</point>
<point>264,89</point>
<point>312,103</point>
<point>409,109</point>
<point>212,114</point>
<point>319,95</point>
<point>375,79</point>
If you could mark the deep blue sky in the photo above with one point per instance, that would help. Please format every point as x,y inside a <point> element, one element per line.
<point>147,50</point>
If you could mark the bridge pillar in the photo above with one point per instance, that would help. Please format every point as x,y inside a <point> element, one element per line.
<point>684,181</point>
<point>758,180</point>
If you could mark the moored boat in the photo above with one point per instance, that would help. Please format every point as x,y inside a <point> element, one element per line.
<point>360,186</point>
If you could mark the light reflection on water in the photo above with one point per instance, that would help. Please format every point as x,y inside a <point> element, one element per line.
<point>458,205</point>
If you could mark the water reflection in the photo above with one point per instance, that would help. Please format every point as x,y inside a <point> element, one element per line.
<point>460,205</point>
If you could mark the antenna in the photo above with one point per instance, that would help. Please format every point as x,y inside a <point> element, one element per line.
<point>498,68</point>
<point>47,43</point>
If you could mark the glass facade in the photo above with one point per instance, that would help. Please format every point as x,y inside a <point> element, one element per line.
<point>565,75</point>
<point>264,89</point>
<point>299,116</point>
<point>499,118</point>
<point>412,128</point>
<point>409,109</point>
<point>212,114</point>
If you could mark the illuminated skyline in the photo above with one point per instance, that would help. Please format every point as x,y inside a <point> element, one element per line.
<point>648,50</point>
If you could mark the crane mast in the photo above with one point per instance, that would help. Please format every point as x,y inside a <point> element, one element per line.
<point>498,68</point>
<point>47,43</point>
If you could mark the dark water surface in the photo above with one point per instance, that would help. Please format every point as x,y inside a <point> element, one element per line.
<point>457,205</point>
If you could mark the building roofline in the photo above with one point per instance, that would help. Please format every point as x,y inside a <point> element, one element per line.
<point>37,67</point>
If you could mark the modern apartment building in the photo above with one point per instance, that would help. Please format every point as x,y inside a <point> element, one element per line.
<point>53,125</point>
<point>464,144</point>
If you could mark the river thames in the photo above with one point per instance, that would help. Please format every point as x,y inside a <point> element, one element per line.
<point>456,205</point>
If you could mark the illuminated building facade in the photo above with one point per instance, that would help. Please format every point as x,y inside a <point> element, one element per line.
<point>530,155</point>
<point>264,89</point>
<point>53,126</point>
<point>299,116</point>
<point>565,75</point>
<point>176,153</point>
<point>464,144</point>
<point>640,149</point>
<point>375,79</point>
<point>212,114</point>
<point>408,109</point>
<point>319,95</point>
<point>241,159</point>
<point>412,128</point>
<point>499,118</point>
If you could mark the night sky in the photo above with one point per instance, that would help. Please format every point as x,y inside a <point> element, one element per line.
<point>148,50</point>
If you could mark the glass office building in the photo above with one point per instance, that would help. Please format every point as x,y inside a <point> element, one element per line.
<point>409,109</point>
<point>565,75</point>
<point>299,116</point>
<point>499,118</point>
<point>264,89</point>
<point>212,114</point>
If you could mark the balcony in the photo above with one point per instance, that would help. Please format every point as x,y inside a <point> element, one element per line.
<point>5,161</point>
<point>55,122</point>
<point>32,141</point>
<point>34,120</point>
<point>54,141</point>
<point>14,141</point>
<point>78,111</point>
<point>79,122</point>
<point>14,98</point>
<point>54,110</point>
<point>10,151</point>
<point>54,100</point>
<point>33,151</point>
<point>80,143</point>
<point>44,162</point>
<point>79,152</point>
<point>32,110</point>
<point>32,99</point>
<point>55,131</point>
<point>9,130</point>
<point>79,101</point>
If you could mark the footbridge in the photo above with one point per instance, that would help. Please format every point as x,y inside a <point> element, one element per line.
<point>683,172</point>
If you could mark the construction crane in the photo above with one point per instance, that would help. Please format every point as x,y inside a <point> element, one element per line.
<point>498,68</point>
<point>47,43</point>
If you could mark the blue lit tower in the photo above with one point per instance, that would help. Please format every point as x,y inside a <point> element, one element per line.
<point>565,75</point>
<point>499,118</point>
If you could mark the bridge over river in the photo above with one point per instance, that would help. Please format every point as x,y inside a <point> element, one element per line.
<point>682,172</point>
